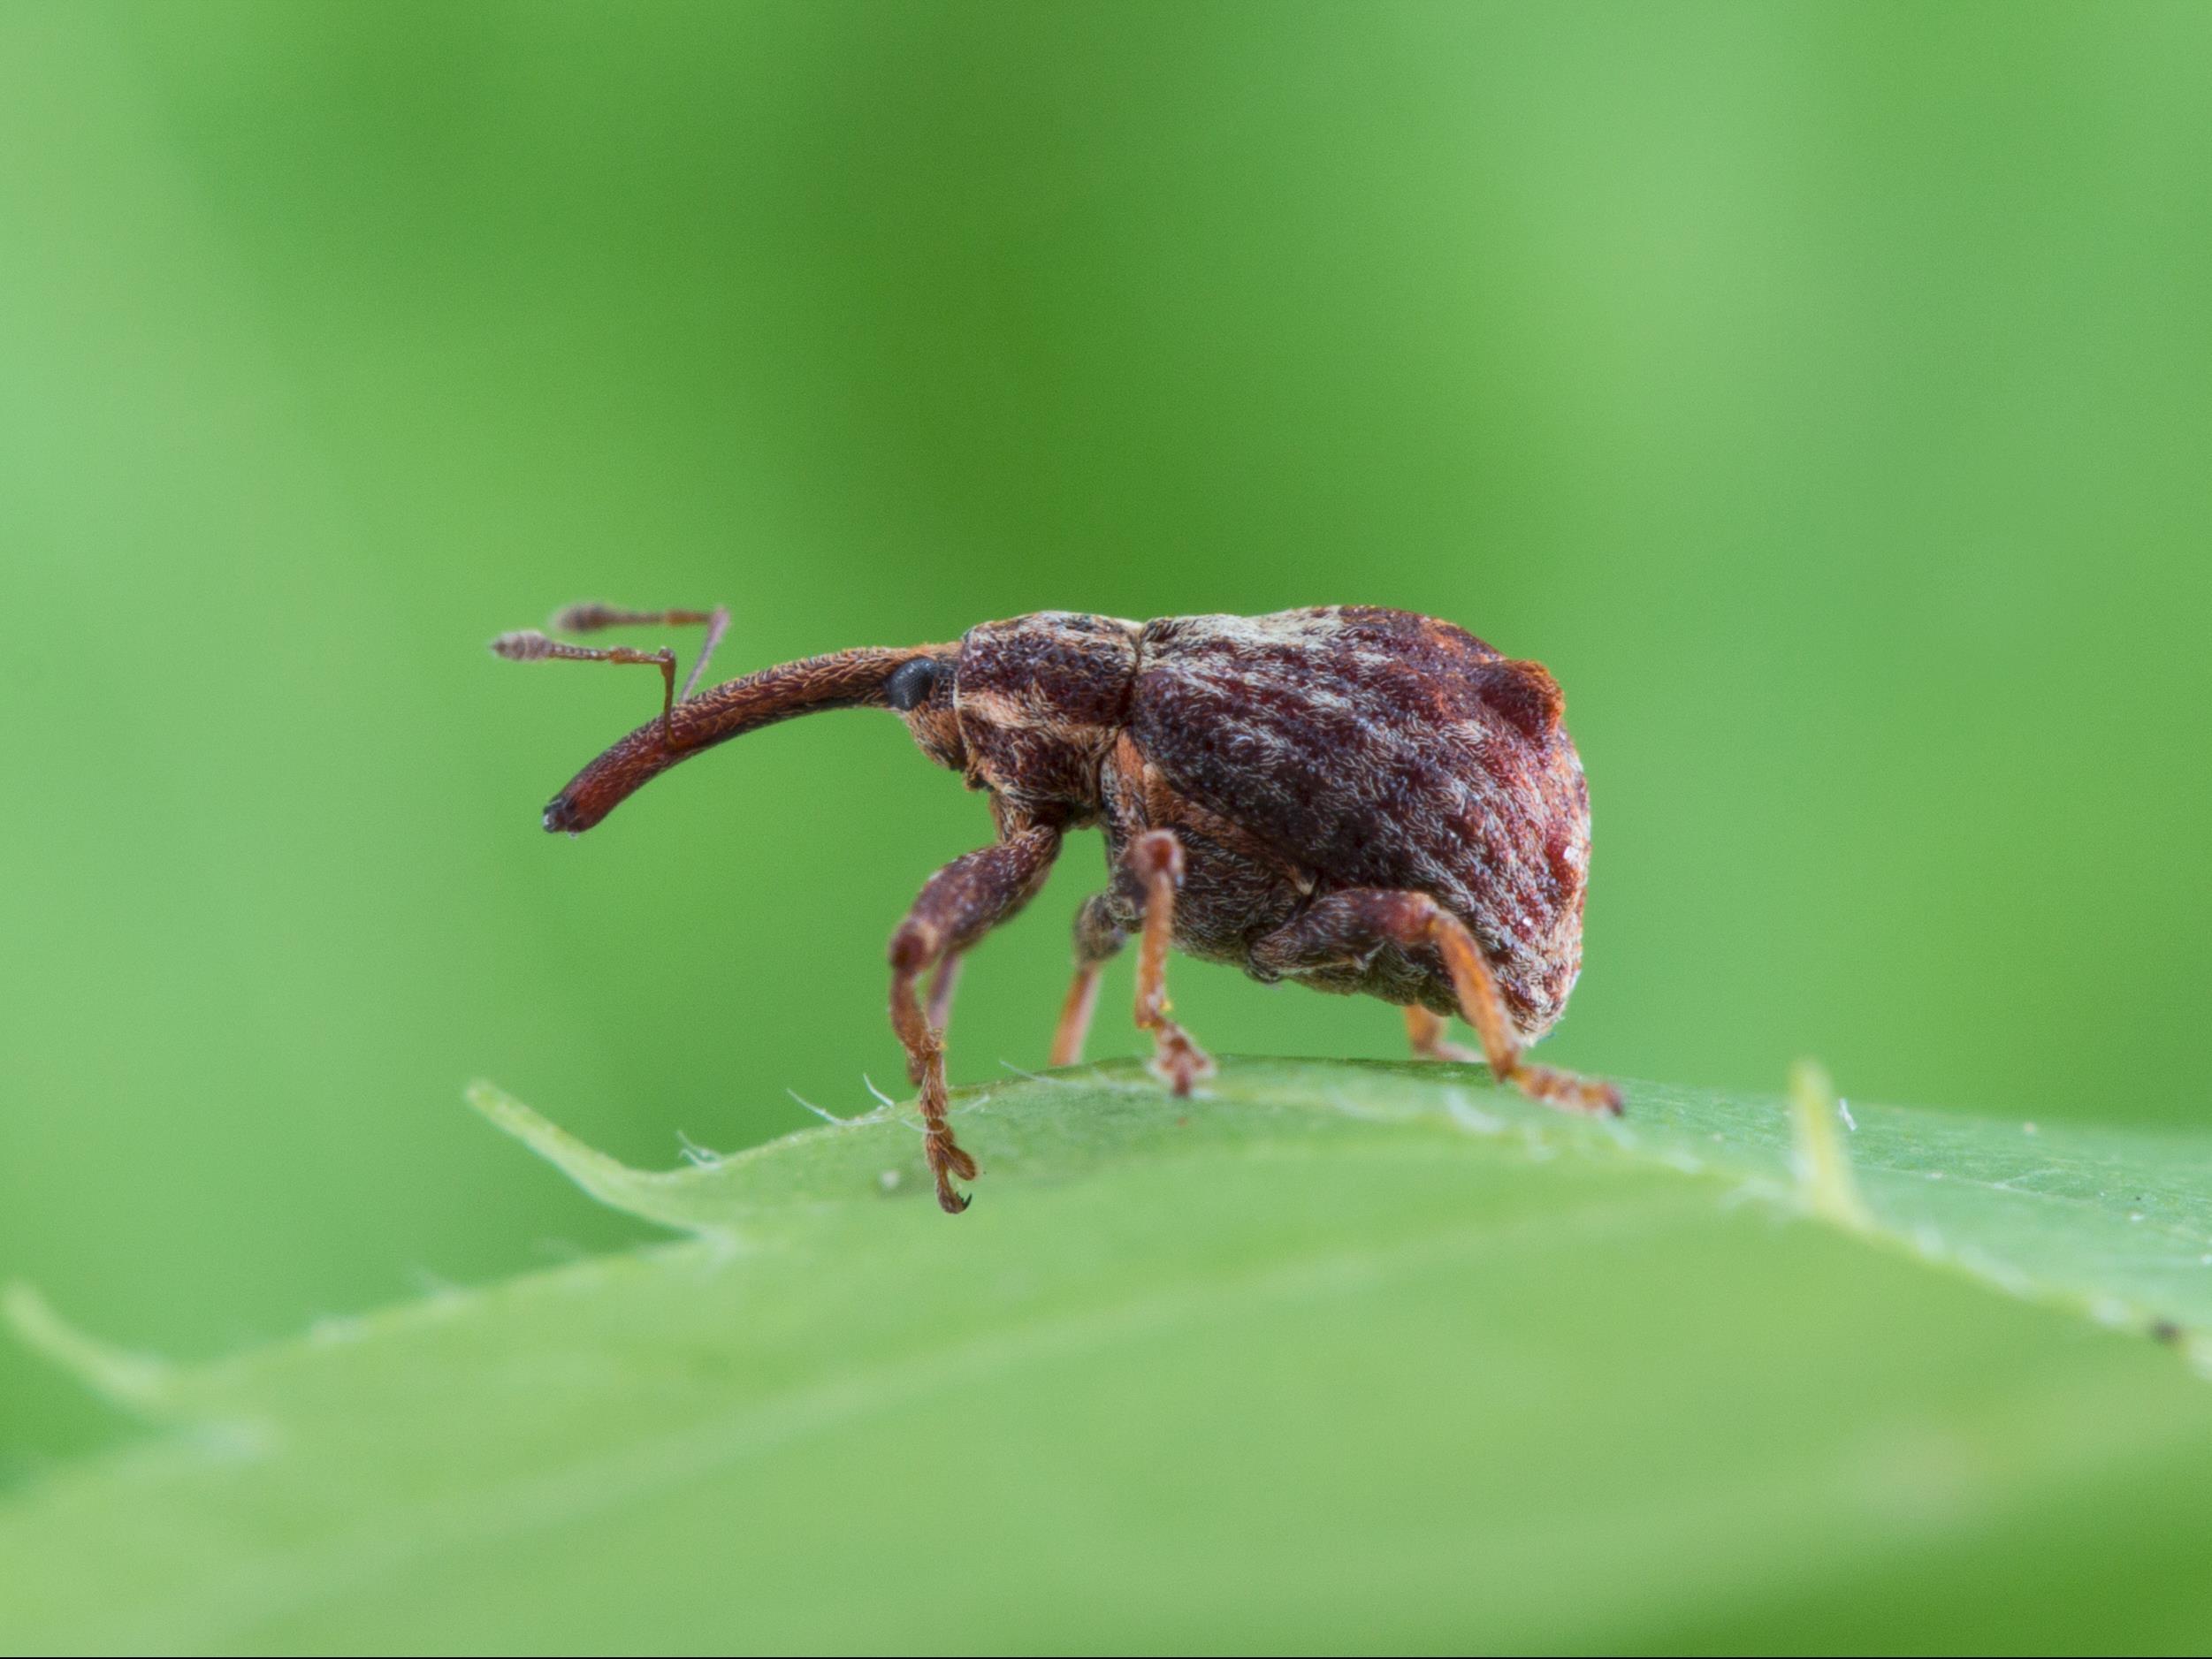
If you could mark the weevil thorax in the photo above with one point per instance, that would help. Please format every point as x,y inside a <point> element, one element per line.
<point>1039,701</point>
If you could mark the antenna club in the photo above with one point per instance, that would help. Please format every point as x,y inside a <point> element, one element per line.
<point>527,645</point>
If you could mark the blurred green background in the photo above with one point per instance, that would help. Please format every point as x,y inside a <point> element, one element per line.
<point>1824,393</point>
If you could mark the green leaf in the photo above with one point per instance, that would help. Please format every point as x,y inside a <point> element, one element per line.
<point>1337,1355</point>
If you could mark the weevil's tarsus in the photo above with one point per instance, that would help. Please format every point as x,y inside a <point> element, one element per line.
<point>1155,858</point>
<point>1099,937</point>
<point>956,908</point>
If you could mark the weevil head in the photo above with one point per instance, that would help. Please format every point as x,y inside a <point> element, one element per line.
<point>1038,702</point>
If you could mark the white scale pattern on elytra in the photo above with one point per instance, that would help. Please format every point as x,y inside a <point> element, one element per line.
<point>1369,724</point>
<point>1217,657</point>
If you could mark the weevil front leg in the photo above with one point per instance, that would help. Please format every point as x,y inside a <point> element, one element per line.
<point>1354,923</point>
<point>956,907</point>
<point>1155,858</point>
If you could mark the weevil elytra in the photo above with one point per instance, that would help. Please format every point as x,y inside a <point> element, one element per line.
<point>1361,800</point>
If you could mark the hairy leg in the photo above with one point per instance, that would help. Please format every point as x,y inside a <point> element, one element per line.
<point>1425,1029</point>
<point>943,984</point>
<point>956,907</point>
<point>1100,934</point>
<point>1350,925</point>
<point>1155,858</point>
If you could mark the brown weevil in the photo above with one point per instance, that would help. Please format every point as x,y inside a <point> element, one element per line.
<point>1361,800</point>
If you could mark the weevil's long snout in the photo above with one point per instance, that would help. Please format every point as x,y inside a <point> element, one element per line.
<point>843,680</point>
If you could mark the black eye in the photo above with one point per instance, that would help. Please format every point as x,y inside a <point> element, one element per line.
<point>910,686</point>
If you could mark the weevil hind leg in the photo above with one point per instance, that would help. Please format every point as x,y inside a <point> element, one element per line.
<point>956,908</point>
<point>1155,858</point>
<point>1349,925</point>
<point>1425,1032</point>
<point>1100,931</point>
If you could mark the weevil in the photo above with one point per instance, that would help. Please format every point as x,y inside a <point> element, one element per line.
<point>1365,801</point>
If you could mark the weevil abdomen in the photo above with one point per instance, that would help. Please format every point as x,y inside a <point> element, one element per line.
<point>1388,750</point>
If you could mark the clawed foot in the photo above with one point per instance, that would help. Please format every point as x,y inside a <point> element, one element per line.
<point>1176,1061</point>
<point>947,1160</point>
<point>1567,1091</point>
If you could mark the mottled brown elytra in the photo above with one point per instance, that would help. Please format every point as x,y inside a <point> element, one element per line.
<point>1361,800</point>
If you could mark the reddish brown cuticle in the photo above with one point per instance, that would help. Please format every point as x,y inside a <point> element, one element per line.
<point>1361,800</point>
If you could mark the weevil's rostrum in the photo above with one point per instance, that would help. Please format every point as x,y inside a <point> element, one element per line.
<point>1359,800</point>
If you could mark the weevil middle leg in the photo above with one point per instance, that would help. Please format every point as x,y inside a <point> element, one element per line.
<point>943,984</point>
<point>1155,858</point>
<point>1100,934</point>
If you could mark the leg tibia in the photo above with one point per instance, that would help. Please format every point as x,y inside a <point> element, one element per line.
<point>1425,1032</point>
<point>1351,925</point>
<point>1155,858</point>
<point>1099,936</point>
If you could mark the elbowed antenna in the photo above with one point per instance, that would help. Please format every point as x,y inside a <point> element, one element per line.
<point>842,680</point>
